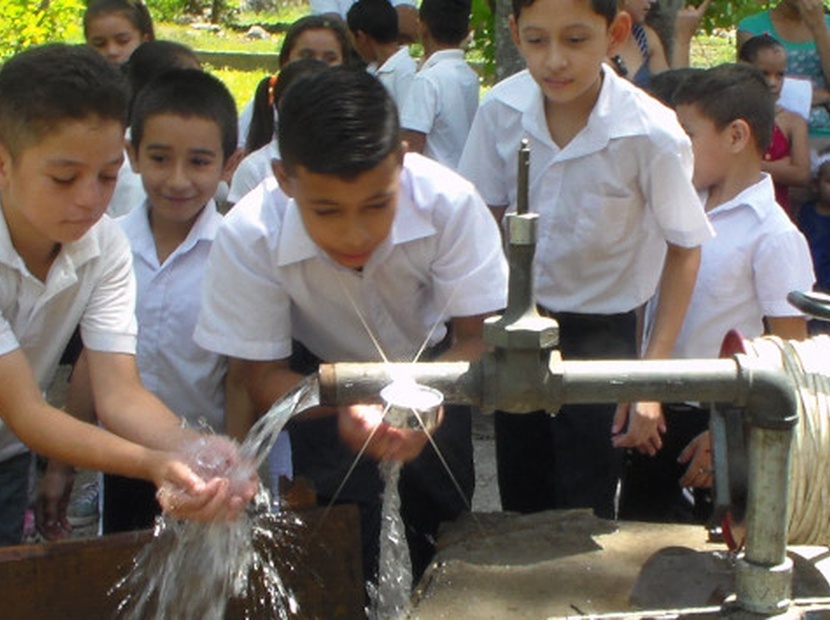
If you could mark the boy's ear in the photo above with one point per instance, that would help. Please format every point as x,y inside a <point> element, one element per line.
<point>283,178</point>
<point>739,135</point>
<point>5,164</point>
<point>514,30</point>
<point>619,31</point>
<point>231,164</point>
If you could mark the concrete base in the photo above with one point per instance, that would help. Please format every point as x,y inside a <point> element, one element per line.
<point>570,563</point>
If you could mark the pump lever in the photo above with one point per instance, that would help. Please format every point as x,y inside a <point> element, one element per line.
<point>813,303</point>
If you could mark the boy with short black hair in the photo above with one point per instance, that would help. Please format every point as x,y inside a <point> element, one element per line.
<point>182,144</point>
<point>747,270</point>
<point>369,258</point>
<point>62,124</point>
<point>443,98</point>
<point>610,177</point>
<point>374,27</point>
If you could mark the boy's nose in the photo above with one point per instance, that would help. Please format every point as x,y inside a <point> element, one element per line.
<point>555,58</point>
<point>93,196</point>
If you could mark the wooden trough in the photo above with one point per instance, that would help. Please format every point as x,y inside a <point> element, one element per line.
<point>71,579</point>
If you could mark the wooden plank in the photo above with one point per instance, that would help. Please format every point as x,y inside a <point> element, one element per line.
<point>71,579</point>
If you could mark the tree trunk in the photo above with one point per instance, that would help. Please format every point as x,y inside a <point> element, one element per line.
<point>508,59</point>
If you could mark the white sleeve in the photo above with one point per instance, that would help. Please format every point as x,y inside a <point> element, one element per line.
<point>420,108</point>
<point>772,283</point>
<point>480,162</point>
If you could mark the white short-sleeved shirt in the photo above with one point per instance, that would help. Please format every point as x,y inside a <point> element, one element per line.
<point>746,272</point>
<point>397,73</point>
<point>187,378</point>
<point>90,283</point>
<point>268,282</point>
<point>342,7</point>
<point>442,102</point>
<point>253,170</point>
<point>608,202</point>
<point>129,191</point>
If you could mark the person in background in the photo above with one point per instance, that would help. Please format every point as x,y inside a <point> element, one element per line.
<point>803,28</point>
<point>374,28</point>
<point>787,159</point>
<point>443,97</point>
<point>607,242</point>
<point>314,36</point>
<point>115,28</point>
<point>64,264</point>
<point>406,9</point>
<point>814,222</point>
<point>641,55</point>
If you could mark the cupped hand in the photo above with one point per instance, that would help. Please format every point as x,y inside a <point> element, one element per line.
<point>688,18</point>
<point>361,427</point>
<point>639,425</point>
<point>698,454</point>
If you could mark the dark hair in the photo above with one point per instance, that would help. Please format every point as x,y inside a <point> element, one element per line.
<point>134,10</point>
<point>377,18</point>
<point>755,45</point>
<point>267,97</point>
<point>606,8</point>
<point>186,93</point>
<point>340,121</point>
<point>45,86</point>
<point>448,21</point>
<point>153,58</point>
<point>315,22</point>
<point>664,85</point>
<point>730,92</point>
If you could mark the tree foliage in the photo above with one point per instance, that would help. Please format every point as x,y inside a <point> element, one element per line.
<point>24,23</point>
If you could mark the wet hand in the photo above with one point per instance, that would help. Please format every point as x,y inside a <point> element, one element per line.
<point>207,481</point>
<point>640,426</point>
<point>54,491</point>
<point>361,427</point>
<point>698,454</point>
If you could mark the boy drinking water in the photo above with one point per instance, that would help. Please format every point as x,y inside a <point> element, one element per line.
<point>610,177</point>
<point>61,143</point>
<point>370,256</point>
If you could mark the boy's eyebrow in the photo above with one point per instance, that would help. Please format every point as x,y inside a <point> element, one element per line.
<point>66,162</point>
<point>378,196</point>
<point>197,150</point>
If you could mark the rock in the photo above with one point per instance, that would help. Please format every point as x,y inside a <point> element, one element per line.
<point>256,32</point>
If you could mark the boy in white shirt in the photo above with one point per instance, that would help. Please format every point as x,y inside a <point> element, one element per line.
<point>610,177</point>
<point>443,98</point>
<point>370,257</point>
<point>374,27</point>
<point>62,119</point>
<point>757,258</point>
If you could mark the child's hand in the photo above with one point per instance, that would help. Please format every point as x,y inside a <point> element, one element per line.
<point>363,425</point>
<point>643,424</point>
<point>207,482</point>
<point>698,454</point>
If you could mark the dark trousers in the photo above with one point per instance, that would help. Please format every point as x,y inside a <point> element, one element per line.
<point>567,461</point>
<point>129,504</point>
<point>14,497</point>
<point>651,489</point>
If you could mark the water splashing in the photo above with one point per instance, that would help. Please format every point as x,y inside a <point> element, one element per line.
<point>233,560</point>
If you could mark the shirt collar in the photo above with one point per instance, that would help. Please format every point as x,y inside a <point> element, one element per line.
<point>72,255</point>
<point>144,245</point>
<point>393,61</point>
<point>614,115</point>
<point>441,55</point>
<point>755,197</point>
<point>410,223</point>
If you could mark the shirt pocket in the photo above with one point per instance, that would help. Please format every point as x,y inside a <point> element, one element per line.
<point>607,221</point>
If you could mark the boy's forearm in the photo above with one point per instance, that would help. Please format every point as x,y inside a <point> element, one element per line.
<point>251,387</point>
<point>676,286</point>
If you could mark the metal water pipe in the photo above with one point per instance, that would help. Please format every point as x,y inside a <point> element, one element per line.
<point>524,372</point>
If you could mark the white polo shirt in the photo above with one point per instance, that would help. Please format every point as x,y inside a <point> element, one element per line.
<point>342,6</point>
<point>252,170</point>
<point>397,73</point>
<point>90,282</point>
<point>746,272</point>
<point>188,379</point>
<point>608,202</point>
<point>442,102</point>
<point>268,282</point>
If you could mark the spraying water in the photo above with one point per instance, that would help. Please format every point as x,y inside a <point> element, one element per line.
<point>231,560</point>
